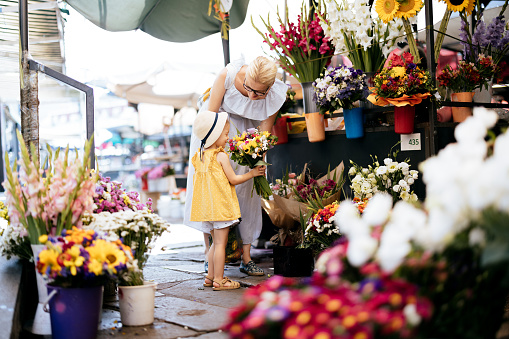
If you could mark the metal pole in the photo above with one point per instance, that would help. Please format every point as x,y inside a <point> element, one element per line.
<point>29,101</point>
<point>226,42</point>
<point>286,16</point>
<point>430,56</point>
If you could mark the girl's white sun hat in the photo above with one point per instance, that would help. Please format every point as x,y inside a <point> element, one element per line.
<point>208,126</point>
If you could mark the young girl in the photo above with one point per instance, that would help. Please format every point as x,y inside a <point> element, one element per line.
<point>214,201</point>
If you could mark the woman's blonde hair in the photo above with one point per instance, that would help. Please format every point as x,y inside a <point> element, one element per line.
<point>262,71</point>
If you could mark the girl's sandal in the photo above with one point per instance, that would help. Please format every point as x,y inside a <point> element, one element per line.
<point>210,284</point>
<point>233,285</point>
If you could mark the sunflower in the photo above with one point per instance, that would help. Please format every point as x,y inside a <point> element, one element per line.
<point>386,9</point>
<point>459,5</point>
<point>408,8</point>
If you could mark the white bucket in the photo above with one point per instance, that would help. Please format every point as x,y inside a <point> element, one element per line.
<point>137,304</point>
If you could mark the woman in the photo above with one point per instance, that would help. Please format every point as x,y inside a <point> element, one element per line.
<point>251,95</point>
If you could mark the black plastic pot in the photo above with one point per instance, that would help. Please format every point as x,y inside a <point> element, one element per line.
<point>290,261</point>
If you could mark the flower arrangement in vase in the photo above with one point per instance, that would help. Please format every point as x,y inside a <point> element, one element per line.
<point>367,41</point>
<point>77,264</point>
<point>46,202</point>
<point>403,84</point>
<point>248,149</point>
<point>341,87</point>
<point>463,80</point>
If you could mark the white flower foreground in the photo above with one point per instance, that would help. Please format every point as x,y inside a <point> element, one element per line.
<point>462,182</point>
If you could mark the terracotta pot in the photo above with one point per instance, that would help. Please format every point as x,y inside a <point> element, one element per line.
<point>315,127</point>
<point>404,119</point>
<point>280,130</point>
<point>459,114</point>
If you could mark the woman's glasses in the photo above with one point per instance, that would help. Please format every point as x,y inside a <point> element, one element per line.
<point>258,93</point>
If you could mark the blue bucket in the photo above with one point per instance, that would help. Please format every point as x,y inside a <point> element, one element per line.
<point>354,122</point>
<point>75,312</point>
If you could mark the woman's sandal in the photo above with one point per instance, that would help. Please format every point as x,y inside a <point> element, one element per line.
<point>210,284</point>
<point>233,284</point>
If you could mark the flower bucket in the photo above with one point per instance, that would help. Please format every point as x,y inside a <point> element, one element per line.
<point>404,119</point>
<point>144,184</point>
<point>315,127</point>
<point>41,324</point>
<point>354,122</point>
<point>484,95</point>
<point>290,261</point>
<point>137,304</point>
<point>280,130</point>
<point>74,312</point>
<point>459,114</point>
<point>164,184</point>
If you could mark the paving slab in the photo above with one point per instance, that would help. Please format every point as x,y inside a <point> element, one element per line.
<point>111,327</point>
<point>193,290</point>
<point>195,315</point>
<point>213,335</point>
<point>163,274</point>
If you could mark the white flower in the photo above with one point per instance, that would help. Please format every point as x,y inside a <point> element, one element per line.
<point>352,171</point>
<point>411,315</point>
<point>380,171</point>
<point>254,155</point>
<point>387,161</point>
<point>477,236</point>
<point>360,250</point>
<point>396,188</point>
<point>378,209</point>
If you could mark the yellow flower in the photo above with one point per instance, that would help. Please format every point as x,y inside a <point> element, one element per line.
<point>105,251</point>
<point>409,8</point>
<point>48,258</point>
<point>386,9</point>
<point>398,71</point>
<point>127,201</point>
<point>266,133</point>
<point>72,259</point>
<point>43,238</point>
<point>96,267</point>
<point>77,235</point>
<point>460,5</point>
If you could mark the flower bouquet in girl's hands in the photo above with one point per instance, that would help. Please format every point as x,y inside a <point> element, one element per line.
<point>247,149</point>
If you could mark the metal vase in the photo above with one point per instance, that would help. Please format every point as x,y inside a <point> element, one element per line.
<point>307,96</point>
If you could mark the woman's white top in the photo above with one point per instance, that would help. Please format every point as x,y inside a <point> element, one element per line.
<point>243,113</point>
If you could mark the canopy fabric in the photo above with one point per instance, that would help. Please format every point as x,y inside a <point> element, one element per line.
<point>169,20</point>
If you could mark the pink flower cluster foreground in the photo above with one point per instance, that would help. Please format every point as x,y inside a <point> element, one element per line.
<point>111,197</point>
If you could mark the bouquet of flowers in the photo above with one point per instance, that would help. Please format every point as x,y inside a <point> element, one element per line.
<point>137,229</point>
<point>302,48</point>
<point>491,40</point>
<point>367,41</point>
<point>401,82</point>
<point>320,230</point>
<point>314,190</point>
<point>340,87</point>
<point>111,197</point>
<point>248,149</point>
<point>80,258</point>
<point>468,76</point>
<point>142,173</point>
<point>284,308</point>
<point>283,187</point>
<point>394,178</point>
<point>13,241</point>
<point>161,171</point>
<point>50,200</point>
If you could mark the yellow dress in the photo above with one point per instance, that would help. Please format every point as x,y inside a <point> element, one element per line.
<point>214,198</point>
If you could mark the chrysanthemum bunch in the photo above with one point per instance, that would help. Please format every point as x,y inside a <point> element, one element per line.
<point>401,82</point>
<point>111,197</point>
<point>47,201</point>
<point>80,258</point>
<point>247,149</point>
<point>340,87</point>
<point>137,229</point>
<point>283,308</point>
<point>367,41</point>
<point>320,231</point>
<point>13,240</point>
<point>394,178</point>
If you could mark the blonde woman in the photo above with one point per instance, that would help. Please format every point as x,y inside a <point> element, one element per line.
<point>251,95</point>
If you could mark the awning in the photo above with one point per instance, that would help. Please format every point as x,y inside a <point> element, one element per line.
<point>170,20</point>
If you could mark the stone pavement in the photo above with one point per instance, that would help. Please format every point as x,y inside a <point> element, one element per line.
<point>184,308</point>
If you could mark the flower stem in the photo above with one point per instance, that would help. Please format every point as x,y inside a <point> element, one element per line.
<point>440,35</point>
<point>411,41</point>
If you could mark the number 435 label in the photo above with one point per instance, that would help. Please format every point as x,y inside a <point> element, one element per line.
<point>411,142</point>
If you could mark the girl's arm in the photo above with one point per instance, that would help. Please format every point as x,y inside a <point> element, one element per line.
<point>217,92</point>
<point>234,178</point>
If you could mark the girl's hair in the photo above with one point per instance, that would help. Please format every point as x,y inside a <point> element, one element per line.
<point>262,71</point>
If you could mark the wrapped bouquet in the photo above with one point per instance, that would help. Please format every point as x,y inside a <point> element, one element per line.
<point>248,149</point>
<point>320,232</point>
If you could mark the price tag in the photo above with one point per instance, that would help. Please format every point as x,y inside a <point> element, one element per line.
<point>411,142</point>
